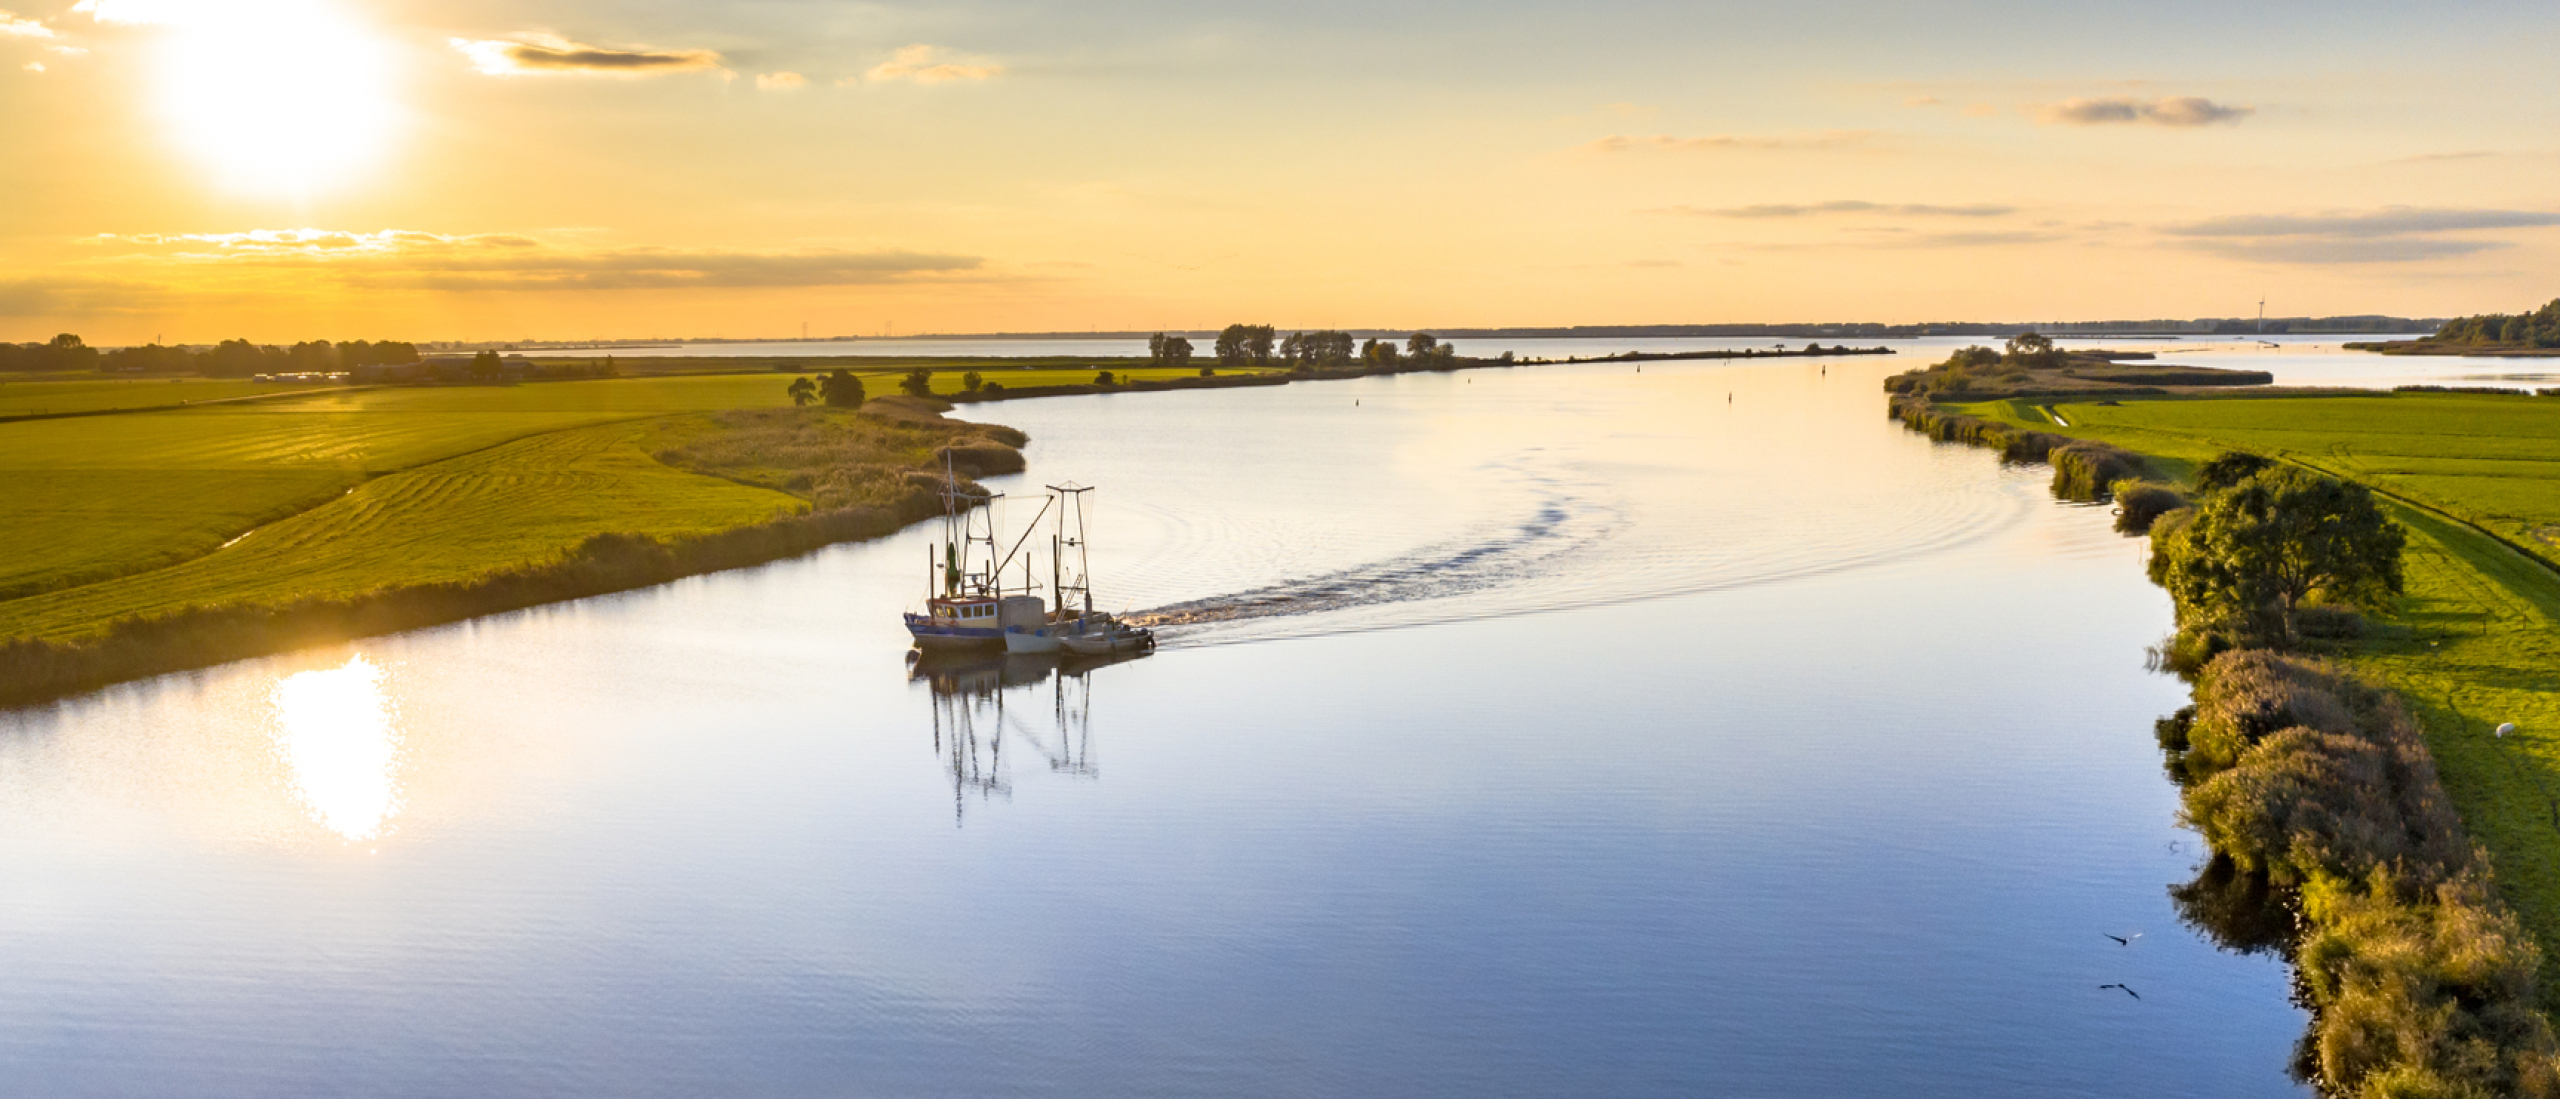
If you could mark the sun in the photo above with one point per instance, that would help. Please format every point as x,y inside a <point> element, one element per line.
<point>280,97</point>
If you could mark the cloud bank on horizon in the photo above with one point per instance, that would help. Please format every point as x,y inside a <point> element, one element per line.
<point>589,167</point>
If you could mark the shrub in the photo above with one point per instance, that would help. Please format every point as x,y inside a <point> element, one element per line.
<point>2083,470</point>
<point>2141,503</point>
<point>2421,983</point>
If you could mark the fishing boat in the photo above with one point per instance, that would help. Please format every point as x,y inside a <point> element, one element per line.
<point>970,609</point>
<point>976,610</point>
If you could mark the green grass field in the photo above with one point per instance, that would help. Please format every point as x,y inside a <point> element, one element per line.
<point>94,498</point>
<point>22,398</point>
<point>527,501</point>
<point>2476,640</point>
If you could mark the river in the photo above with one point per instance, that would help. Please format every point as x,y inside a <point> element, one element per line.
<point>1570,729</point>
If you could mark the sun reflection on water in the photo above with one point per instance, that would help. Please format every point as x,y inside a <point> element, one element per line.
<point>337,730</point>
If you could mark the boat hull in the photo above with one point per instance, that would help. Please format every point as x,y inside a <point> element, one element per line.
<point>944,637</point>
<point>1038,639</point>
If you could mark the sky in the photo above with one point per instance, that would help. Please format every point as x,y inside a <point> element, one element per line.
<point>194,170</point>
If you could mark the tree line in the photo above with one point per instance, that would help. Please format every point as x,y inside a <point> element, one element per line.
<point>2540,328</point>
<point>1241,345</point>
<point>228,359</point>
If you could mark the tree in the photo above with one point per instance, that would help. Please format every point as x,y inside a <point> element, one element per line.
<point>1318,348</point>
<point>1105,378</point>
<point>802,391</point>
<point>840,389</point>
<point>1378,352</point>
<point>2229,468</point>
<point>2034,350</point>
<point>1421,344</point>
<point>918,381</point>
<point>1241,344</point>
<point>2252,553</point>
<point>972,381</point>
<point>1172,351</point>
<point>487,367</point>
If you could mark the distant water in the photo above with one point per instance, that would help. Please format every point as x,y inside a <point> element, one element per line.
<point>1561,730</point>
<point>2295,360</point>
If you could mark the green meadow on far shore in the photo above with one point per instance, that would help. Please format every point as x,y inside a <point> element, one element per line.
<point>2476,640</point>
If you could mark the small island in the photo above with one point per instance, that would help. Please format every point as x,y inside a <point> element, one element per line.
<point>2488,335</point>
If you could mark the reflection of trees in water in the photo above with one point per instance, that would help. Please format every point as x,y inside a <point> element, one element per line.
<point>2235,909</point>
<point>2240,910</point>
<point>1041,703</point>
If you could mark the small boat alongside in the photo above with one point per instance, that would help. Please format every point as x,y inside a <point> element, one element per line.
<point>1101,635</point>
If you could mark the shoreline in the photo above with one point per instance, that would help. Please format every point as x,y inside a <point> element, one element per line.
<point>2350,935</point>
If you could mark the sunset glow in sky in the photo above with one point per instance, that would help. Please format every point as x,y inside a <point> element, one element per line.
<point>292,169</point>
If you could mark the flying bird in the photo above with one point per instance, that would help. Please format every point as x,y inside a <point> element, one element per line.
<point>2123,940</point>
<point>2127,990</point>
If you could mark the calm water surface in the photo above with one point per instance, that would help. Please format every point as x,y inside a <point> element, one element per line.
<point>1570,730</point>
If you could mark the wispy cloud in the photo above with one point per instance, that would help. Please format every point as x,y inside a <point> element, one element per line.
<point>1775,211</point>
<point>545,53</point>
<point>2389,221</point>
<point>2399,234</point>
<point>1825,139</point>
<point>1921,101</point>
<point>408,259</point>
<point>12,26</point>
<point>780,82</point>
<point>2183,111</point>
<point>1984,239</point>
<point>2316,251</point>
<point>923,64</point>
<point>76,295</point>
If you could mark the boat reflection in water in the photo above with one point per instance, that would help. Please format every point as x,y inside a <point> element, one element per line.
<point>984,702</point>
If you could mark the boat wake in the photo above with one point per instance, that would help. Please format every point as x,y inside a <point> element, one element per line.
<point>1576,544</point>
<point>1561,527</point>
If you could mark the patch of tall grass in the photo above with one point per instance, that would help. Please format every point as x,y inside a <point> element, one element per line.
<point>2141,503</point>
<point>2088,471</point>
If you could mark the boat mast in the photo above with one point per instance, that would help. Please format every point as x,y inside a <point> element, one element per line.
<point>1071,498</point>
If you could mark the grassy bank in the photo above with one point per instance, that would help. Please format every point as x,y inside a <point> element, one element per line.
<point>2412,940</point>
<point>2475,480</point>
<point>387,510</point>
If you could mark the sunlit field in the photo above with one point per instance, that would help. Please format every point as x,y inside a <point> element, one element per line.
<point>97,497</point>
